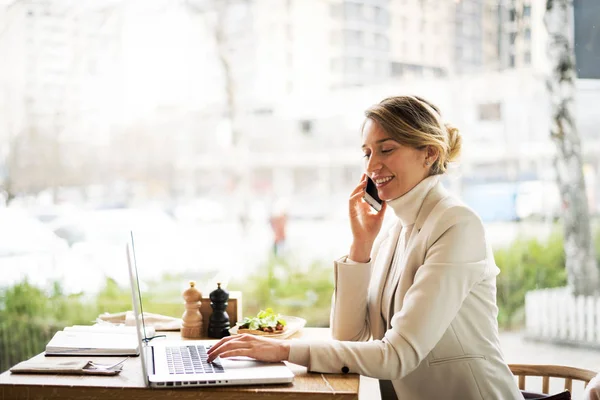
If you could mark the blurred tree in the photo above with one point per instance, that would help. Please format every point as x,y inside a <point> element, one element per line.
<point>582,269</point>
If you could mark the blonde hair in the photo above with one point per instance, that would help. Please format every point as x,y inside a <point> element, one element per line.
<point>415,122</point>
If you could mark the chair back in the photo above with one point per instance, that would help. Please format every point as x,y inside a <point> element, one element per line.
<point>569,374</point>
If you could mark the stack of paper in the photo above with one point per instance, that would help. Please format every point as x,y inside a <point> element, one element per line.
<point>96,340</point>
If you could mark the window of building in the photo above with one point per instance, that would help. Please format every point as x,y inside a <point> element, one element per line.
<point>439,72</point>
<point>490,112</point>
<point>353,64</point>
<point>306,126</point>
<point>336,11</point>
<point>527,58</point>
<point>354,37</point>
<point>381,42</point>
<point>512,15</point>
<point>397,69</point>
<point>335,65</point>
<point>380,16</point>
<point>513,37</point>
<point>528,33</point>
<point>511,61</point>
<point>336,38</point>
<point>353,11</point>
<point>526,10</point>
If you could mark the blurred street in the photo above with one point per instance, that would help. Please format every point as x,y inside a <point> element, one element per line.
<point>84,247</point>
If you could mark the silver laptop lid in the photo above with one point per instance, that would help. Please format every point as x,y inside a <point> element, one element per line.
<point>136,300</point>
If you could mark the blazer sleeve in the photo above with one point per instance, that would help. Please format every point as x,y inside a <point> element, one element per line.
<point>349,319</point>
<point>454,263</point>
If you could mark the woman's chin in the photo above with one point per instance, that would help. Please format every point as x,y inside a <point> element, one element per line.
<point>385,196</point>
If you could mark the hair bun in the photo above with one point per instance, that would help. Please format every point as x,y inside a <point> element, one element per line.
<point>454,142</point>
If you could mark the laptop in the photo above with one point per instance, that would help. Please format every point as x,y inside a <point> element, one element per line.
<point>182,363</point>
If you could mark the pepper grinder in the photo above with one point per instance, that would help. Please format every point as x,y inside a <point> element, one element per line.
<point>218,323</point>
<point>191,327</point>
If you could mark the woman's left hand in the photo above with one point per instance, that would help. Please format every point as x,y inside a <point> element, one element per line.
<point>259,348</point>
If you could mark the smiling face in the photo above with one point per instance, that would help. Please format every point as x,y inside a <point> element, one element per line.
<point>394,168</point>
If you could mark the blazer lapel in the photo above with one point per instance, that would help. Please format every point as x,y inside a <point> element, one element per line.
<point>381,268</point>
<point>435,195</point>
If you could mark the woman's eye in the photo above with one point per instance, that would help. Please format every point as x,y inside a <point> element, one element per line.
<point>387,151</point>
<point>366,155</point>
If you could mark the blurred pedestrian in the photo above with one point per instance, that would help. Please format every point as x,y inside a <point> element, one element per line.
<point>278,221</point>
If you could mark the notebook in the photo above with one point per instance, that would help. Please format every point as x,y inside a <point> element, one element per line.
<point>79,343</point>
<point>96,340</point>
<point>182,363</point>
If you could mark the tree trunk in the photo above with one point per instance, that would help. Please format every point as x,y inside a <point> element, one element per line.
<point>582,271</point>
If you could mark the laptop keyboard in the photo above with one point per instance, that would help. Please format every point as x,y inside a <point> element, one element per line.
<point>191,360</point>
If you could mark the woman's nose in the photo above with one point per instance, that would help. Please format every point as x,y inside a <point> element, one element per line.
<point>373,164</point>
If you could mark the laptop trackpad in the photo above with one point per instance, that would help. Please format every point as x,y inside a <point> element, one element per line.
<point>241,363</point>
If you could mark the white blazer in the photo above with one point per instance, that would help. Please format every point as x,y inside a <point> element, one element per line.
<point>443,339</point>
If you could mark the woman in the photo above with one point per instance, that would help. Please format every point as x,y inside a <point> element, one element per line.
<point>424,292</point>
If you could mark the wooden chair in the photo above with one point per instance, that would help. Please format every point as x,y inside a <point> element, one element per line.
<point>551,371</point>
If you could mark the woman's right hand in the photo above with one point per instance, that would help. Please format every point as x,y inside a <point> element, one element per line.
<point>365,223</point>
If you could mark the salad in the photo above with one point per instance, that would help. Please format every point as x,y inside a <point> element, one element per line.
<point>265,321</point>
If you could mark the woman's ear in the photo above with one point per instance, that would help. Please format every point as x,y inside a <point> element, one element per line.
<point>431,155</point>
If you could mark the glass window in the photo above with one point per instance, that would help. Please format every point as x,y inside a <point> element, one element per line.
<point>113,123</point>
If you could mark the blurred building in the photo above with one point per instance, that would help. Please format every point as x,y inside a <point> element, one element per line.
<point>523,37</point>
<point>60,85</point>
<point>470,22</point>
<point>156,93</point>
<point>587,38</point>
<point>422,38</point>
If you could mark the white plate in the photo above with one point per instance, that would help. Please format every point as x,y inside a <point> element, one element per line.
<point>293,325</point>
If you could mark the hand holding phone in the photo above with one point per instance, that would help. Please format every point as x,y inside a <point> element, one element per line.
<point>364,223</point>
<point>371,196</point>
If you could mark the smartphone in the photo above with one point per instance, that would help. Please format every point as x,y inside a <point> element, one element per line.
<point>371,195</point>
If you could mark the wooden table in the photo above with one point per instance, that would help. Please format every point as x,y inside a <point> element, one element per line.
<point>129,384</point>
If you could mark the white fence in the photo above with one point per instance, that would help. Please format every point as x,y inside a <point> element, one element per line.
<point>557,316</point>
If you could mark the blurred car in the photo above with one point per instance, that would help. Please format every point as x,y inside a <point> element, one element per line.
<point>21,234</point>
<point>538,199</point>
<point>201,210</point>
<point>28,249</point>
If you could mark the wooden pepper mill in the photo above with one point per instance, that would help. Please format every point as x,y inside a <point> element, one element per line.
<point>218,323</point>
<point>191,328</point>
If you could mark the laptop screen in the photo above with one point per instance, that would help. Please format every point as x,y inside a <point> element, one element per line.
<point>136,299</point>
